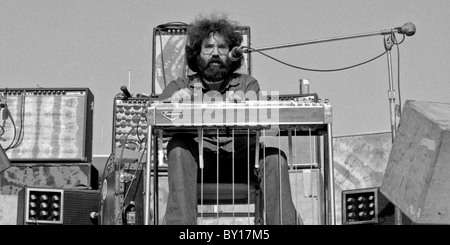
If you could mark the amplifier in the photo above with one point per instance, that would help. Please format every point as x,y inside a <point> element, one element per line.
<point>122,193</point>
<point>130,123</point>
<point>47,124</point>
<point>294,97</point>
<point>51,206</point>
<point>122,201</point>
<point>368,206</point>
<point>168,57</point>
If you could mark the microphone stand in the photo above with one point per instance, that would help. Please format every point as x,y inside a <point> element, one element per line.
<point>408,29</point>
<point>388,43</point>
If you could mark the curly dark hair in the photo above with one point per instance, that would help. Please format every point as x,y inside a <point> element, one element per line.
<point>201,28</point>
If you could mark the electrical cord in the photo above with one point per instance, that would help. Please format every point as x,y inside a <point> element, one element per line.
<point>10,146</point>
<point>17,138</point>
<point>319,70</point>
<point>122,209</point>
<point>108,162</point>
<point>396,43</point>
<point>140,162</point>
<point>398,80</point>
<point>22,120</point>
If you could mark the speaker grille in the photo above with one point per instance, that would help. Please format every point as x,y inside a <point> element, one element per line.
<point>368,206</point>
<point>78,205</point>
<point>130,125</point>
<point>48,124</point>
<point>74,206</point>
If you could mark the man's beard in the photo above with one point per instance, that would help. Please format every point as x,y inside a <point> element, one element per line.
<point>211,71</point>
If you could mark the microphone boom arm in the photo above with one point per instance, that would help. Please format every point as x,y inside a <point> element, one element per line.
<point>407,29</point>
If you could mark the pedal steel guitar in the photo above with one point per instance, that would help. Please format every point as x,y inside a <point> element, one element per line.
<point>283,118</point>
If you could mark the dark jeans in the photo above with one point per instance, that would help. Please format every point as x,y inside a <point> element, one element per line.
<point>183,176</point>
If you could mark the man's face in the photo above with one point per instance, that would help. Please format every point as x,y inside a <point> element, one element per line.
<point>213,61</point>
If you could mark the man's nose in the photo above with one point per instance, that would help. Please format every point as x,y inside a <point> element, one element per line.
<point>215,51</point>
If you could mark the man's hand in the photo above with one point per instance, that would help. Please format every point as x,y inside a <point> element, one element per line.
<point>181,96</point>
<point>233,97</point>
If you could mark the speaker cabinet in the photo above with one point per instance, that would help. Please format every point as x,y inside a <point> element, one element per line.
<point>169,63</point>
<point>130,124</point>
<point>368,206</point>
<point>52,206</point>
<point>47,124</point>
<point>417,179</point>
<point>122,201</point>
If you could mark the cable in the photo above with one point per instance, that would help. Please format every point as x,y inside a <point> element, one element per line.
<point>4,121</point>
<point>319,70</point>
<point>135,127</point>
<point>14,134</point>
<point>17,139</point>
<point>352,66</point>
<point>108,162</point>
<point>394,39</point>
<point>140,162</point>
<point>398,80</point>
<point>22,116</point>
<point>397,44</point>
<point>122,207</point>
<point>143,112</point>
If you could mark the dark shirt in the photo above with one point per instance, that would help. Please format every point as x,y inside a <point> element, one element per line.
<point>236,82</point>
<point>239,83</point>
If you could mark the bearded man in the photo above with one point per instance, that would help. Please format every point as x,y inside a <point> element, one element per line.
<point>209,41</point>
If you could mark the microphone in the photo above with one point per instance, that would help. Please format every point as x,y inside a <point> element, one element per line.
<point>236,53</point>
<point>408,29</point>
<point>125,92</point>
